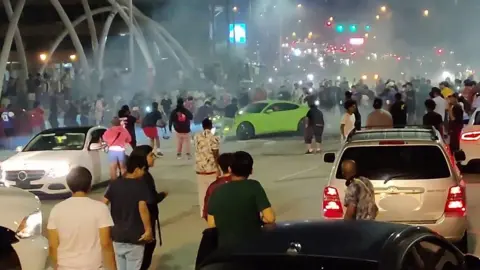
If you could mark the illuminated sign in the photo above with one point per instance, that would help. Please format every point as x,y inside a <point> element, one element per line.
<point>238,33</point>
<point>357,41</point>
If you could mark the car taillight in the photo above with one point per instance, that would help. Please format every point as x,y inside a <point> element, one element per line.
<point>471,136</point>
<point>332,206</point>
<point>456,203</point>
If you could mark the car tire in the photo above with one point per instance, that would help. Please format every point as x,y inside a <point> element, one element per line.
<point>301,127</point>
<point>462,245</point>
<point>245,131</point>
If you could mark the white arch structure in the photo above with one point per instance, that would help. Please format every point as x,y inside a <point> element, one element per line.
<point>162,38</point>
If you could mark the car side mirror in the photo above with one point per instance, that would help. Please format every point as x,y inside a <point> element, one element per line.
<point>459,156</point>
<point>329,157</point>
<point>268,111</point>
<point>19,148</point>
<point>95,146</point>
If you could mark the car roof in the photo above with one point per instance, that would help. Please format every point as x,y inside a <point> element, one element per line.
<point>362,240</point>
<point>270,101</point>
<point>404,134</point>
<point>67,130</point>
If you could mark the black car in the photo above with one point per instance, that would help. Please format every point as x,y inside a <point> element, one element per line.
<point>324,245</point>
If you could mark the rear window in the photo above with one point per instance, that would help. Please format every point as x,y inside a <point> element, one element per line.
<point>403,162</point>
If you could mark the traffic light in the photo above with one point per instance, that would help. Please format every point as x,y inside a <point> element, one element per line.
<point>328,24</point>
<point>353,28</point>
<point>339,28</point>
<point>367,28</point>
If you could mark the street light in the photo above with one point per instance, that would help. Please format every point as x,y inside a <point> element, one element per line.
<point>43,56</point>
<point>299,5</point>
<point>377,17</point>
<point>235,9</point>
<point>73,57</point>
<point>330,19</point>
<point>425,13</point>
<point>383,8</point>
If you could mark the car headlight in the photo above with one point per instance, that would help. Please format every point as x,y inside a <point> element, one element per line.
<point>30,226</point>
<point>60,169</point>
<point>240,112</point>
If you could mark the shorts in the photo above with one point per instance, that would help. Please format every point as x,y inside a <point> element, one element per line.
<point>9,132</point>
<point>116,156</point>
<point>151,132</point>
<point>313,132</point>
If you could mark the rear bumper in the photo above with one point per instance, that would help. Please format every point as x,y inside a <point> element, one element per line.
<point>472,152</point>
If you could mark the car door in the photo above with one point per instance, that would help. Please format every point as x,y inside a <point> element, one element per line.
<point>279,117</point>
<point>99,159</point>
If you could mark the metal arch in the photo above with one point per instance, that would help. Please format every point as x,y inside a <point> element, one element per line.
<point>7,44</point>
<point>138,36</point>
<point>91,24</point>
<point>103,41</point>
<point>18,40</point>
<point>74,36</point>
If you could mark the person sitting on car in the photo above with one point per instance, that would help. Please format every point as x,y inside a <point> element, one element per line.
<point>359,195</point>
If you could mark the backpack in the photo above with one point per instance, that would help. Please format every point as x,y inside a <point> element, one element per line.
<point>181,117</point>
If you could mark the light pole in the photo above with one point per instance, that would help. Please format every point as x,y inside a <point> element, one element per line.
<point>234,9</point>
<point>131,37</point>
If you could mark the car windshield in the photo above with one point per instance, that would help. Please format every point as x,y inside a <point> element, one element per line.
<point>288,262</point>
<point>254,108</point>
<point>55,142</point>
<point>390,162</point>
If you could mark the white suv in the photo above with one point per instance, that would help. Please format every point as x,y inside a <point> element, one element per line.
<point>22,245</point>
<point>415,177</point>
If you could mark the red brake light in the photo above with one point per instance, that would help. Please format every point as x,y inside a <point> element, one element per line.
<point>471,136</point>
<point>332,206</point>
<point>391,142</point>
<point>456,203</point>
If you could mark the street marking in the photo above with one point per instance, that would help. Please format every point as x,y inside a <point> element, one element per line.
<point>297,173</point>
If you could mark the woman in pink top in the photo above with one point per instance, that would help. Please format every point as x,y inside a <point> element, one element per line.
<point>116,138</point>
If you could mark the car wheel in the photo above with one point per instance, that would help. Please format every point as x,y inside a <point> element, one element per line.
<point>245,131</point>
<point>301,127</point>
<point>463,243</point>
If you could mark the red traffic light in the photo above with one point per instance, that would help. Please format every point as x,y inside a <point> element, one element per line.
<point>440,51</point>
<point>328,24</point>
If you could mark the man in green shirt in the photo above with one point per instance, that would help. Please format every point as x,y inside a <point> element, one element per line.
<point>239,208</point>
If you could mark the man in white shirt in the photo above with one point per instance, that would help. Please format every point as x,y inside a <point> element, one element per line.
<point>347,124</point>
<point>79,228</point>
<point>441,104</point>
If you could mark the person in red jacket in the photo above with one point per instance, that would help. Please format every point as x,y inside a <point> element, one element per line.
<point>37,118</point>
<point>224,161</point>
<point>116,138</point>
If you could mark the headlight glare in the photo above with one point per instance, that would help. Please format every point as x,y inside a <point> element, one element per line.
<point>59,170</point>
<point>30,226</point>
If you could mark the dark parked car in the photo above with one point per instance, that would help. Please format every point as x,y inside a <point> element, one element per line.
<point>324,245</point>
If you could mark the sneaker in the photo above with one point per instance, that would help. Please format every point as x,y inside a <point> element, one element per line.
<point>318,150</point>
<point>309,152</point>
<point>189,156</point>
<point>179,156</point>
<point>159,154</point>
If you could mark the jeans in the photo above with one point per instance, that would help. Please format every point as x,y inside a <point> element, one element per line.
<point>128,256</point>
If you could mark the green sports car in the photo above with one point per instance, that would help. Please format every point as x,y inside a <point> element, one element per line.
<point>268,117</point>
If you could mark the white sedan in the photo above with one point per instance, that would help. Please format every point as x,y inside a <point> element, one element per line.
<point>42,165</point>
<point>470,139</point>
<point>21,231</point>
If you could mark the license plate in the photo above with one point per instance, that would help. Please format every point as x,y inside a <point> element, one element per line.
<point>24,185</point>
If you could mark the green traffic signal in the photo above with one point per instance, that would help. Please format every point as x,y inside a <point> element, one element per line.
<point>353,28</point>
<point>339,28</point>
<point>367,28</point>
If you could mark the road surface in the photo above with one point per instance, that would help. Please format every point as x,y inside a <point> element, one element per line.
<point>293,181</point>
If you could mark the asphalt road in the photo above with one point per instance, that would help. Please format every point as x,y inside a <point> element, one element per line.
<point>293,181</point>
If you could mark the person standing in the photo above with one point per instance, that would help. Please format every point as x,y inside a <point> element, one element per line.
<point>240,208</point>
<point>180,119</point>
<point>38,119</point>
<point>207,147</point>
<point>398,110</point>
<point>314,125</point>
<point>411,102</point>
<point>432,118</point>
<point>347,124</point>
<point>147,152</point>
<point>359,195</point>
<point>128,121</point>
<point>440,103</point>
<point>358,117</point>
<point>224,162</point>
<point>53,114</point>
<point>116,138</point>
<point>150,125</point>
<point>99,109</point>
<point>80,239</point>
<point>455,122</point>
<point>8,125</point>
<point>129,197</point>
<point>166,104</point>
<point>379,118</point>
